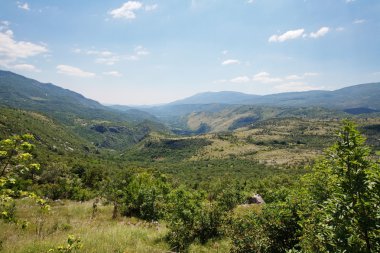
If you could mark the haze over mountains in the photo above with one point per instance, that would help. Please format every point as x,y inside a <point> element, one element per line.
<point>362,95</point>
<point>22,89</point>
<point>201,113</point>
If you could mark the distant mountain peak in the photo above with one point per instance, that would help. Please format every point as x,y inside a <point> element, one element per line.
<point>217,97</point>
<point>361,95</point>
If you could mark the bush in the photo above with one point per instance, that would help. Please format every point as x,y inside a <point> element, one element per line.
<point>183,208</point>
<point>145,195</point>
<point>273,230</point>
<point>193,217</point>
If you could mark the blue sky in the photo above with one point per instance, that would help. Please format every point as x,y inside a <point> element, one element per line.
<point>147,52</point>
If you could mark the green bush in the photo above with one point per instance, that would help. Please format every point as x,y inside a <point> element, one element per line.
<point>145,196</point>
<point>195,216</point>
<point>273,230</point>
<point>183,209</point>
<point>341,198</point>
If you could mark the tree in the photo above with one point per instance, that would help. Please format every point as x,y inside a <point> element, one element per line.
<point>113,189</point>
<point>342,198</point>
<point>145,196</point>
<point>15,160</point>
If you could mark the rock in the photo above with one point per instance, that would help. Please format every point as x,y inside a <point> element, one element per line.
<point>256,199</point>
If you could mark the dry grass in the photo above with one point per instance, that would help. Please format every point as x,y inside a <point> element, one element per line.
<point>244,142</point>
<point>98,235</point>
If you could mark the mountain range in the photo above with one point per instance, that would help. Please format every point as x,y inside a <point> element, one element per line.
<point>362,95</point>
<point>77,115</point>
<point>113,126</point>
<point>17,91</point>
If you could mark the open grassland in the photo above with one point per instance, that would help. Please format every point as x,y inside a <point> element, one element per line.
<point>264,148</point>
<point>288,141</point>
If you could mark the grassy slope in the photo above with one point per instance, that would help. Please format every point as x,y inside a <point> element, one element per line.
<point>281,141</point>
<point>234,117</point>
<point>73,110</point>
<point>50,135</point>
<point>84,136</point>
<point>266,148</point>
<point>98,235</point>
<point>189,159</point>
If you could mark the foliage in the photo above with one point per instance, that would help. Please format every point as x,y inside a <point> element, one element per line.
<point>58,183</point>
<point>185,207</point>
<point>15,160</point>
<point>74,244</point>
<point>336,209</point>
<point>342,196</point>
<point>274,229</point>
<point>141,195</point>
<point>145,196</point>
<point>197,216</point>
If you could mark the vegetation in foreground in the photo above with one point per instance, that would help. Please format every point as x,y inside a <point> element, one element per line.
<point>333,208</point>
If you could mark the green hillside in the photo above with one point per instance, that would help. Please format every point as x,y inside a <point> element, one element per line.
<point>132,185</point>
<point>98,124</point>
<point>51,135</point>
<point>17,91</point>
<point>199,119</point>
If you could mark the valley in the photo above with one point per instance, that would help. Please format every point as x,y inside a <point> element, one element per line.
<point>174,177</point>
<point>195,126</point>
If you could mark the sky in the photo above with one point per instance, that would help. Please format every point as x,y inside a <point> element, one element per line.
<point>158,51</point>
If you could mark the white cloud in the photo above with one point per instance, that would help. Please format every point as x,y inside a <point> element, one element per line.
<point>295,86</point>
<point>310,74</point>
<point>230,62</point>
<point>250,1</point>
<point>132,58</point>
<point>25,67</point>
<point>300,77</point>
<point>127,10</point>
<point>340,29</point>
<point>99,53</point>
<point>358,21</point>
<point>4,25</point>
<point>73,71</point>
<point>240,79</point>
<point>151,7</point>
<point>112,73</point>
<point>289,35</point>
<point>264,77</point>
<point>320,33</point>
<point>5,22</point>
<point>350,1</point>
<point>11,50</point>
<point>107,60</point>
<point>24,6</point>
<point>102,57</point>
<point>224,52</point>
<point>294,77</point>
<point>110,58</point>
<point>287,83</point>
<point>140,50</point>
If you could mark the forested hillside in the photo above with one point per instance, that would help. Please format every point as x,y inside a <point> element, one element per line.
<point>228,178</point>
